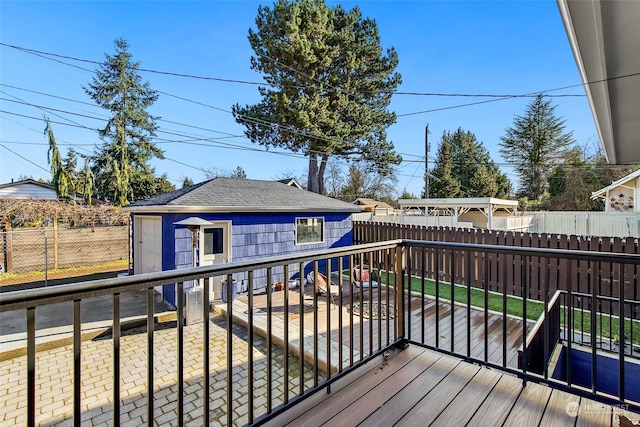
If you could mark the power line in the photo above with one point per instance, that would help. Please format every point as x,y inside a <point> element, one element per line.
<point>257,121</point>
<point>530,94</point>
<point>496,97</point>
<point>253,83</point>
<point>90,61</point>
<point>24,158</point>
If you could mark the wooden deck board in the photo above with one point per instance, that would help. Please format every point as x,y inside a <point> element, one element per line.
<point>559,409</point>
<point>403,401</point>
<point>498,403</point>
<point>393,386</point>
<point>593,414</point>
<point>321,406</point>
<point>440,396</point>
<point>470,398</point>
<point>530,406</point>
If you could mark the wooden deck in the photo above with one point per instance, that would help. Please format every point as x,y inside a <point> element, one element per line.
<point>423,324</point>
<point>420,387</point>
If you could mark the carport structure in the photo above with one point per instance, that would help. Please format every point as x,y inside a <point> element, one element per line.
<point>457,207</point>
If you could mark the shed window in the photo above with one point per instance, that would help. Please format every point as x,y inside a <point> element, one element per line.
<point>309,230</point>
<point>213,241</point>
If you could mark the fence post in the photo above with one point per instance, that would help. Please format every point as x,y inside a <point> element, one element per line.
<point>55,242</point>
<point>46,258</point>
<point>8,247</point>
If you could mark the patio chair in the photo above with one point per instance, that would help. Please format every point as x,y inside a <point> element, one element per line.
<point>364,278</point>
<point>323,285</point>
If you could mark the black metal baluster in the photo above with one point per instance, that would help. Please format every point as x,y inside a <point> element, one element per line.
<point>250,346</point>
<point>285,280</point>
<point>31,366</point>
<point>229,297</point>
<point>269,341</point>
<point>77,364</point>
<point>116,359</point>
<point>180,355</point>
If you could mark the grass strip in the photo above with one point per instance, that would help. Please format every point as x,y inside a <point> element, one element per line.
<point>514,304</point>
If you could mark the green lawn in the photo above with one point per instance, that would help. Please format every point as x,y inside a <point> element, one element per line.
<point>606,326</point>
<point>495,300</point>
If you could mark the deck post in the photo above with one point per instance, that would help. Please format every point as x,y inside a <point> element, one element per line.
<point>399,279</point>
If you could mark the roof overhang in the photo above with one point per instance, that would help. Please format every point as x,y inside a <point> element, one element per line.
<point>605,39</point>
<point>604,192</point>
<point>232,209</point>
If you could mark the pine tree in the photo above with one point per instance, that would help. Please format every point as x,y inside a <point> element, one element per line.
<point>479,176</point>
<point>86,183</point>
<point>187,182</point>
<point>445,185</point>
<point>329,86</point>
<point>70,166</point>
<point>127,149</point>
<point>462,158</point>
<point>534,145</point>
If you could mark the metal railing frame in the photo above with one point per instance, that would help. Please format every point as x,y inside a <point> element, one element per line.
<point>396,254</point>
<point>519,255</point>
<point>29,300</point>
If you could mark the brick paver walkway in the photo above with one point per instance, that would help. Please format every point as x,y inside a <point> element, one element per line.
<point>54,387</point>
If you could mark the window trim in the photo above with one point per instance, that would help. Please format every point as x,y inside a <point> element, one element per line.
<point>322,236</point>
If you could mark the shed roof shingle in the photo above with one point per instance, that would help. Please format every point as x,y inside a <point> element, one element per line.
<point>236,194</point>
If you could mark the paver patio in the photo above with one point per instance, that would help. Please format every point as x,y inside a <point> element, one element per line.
<point>54,387</point>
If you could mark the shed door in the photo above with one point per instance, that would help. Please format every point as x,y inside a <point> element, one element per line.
<point>215,248</point>
<point>148,245</point>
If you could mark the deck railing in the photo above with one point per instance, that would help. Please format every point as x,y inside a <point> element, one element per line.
<point>312,352</point>
<point>274,348</point>
<point>591,332</point>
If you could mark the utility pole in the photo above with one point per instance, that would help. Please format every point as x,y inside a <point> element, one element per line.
<point>426,161</point>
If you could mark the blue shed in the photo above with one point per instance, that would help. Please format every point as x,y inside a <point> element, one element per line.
<point>225,219</point>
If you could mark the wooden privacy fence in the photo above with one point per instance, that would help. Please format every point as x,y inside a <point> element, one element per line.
<point>39,250</point>
<point>513,274</point>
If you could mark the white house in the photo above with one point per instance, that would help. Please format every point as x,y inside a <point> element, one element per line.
<point>27,189</point>
<point>621,195</point>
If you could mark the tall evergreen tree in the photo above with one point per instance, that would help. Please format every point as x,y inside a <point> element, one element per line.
<point>187,182</point>
<point>534,144</point>
<point>70,166</point>
<point>463,158</point>
<point>445,184</point>
<point>86,182</point>
<point>59,176</point>
<point>127,149</point>
<point>330,85</point>
<point>478,174</point>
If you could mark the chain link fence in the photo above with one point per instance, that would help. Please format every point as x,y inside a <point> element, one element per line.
<point>35,255</point>
<point>44,240</point>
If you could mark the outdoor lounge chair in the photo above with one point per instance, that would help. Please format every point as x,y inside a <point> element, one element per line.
<point>323,285</point>
<point>364,278</point>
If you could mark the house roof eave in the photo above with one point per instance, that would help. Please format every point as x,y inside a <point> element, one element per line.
<point>603,192</point>
<point>232,209</point>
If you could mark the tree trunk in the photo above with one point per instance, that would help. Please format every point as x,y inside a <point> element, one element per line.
<point>315,180</point>
<point>312,179</point>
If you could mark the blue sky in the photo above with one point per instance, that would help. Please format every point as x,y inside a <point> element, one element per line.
<point>445,47</point>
